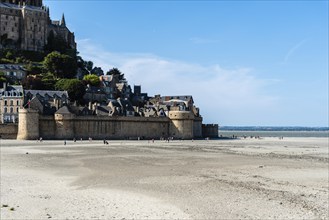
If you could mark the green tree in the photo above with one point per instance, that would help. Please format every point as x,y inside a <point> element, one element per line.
<point>48,81</point>
<point>92,79</point>
<point>33,82</point>
<point>97,71</point>
<point>2,78</point>
<point>89,65</point>
<point>56,43</point>
<point>34,69</point>
<point>10,55</point>
<point>74,88</point>
<point>116,72</point>
<point>61,65</point>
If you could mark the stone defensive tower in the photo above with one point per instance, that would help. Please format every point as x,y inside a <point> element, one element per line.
<point>28,124</point>
<point>181,125</point>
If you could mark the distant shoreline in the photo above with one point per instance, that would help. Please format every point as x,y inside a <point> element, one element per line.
<point>272,128</point>
<point>269,133</point>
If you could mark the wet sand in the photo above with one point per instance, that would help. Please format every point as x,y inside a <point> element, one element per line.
<point>220,179</point>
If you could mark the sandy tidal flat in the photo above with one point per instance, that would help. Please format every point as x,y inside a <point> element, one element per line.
<point>222,179</point>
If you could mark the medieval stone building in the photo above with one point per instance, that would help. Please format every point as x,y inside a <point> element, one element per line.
<point>26,25</point>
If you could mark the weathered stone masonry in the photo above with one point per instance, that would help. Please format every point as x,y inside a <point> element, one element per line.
<point>179,124</point>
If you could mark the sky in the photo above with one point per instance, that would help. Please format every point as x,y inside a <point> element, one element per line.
<point>246,63</point>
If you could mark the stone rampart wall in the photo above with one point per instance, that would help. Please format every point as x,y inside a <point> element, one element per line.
<point>210,130</point>
<point>197,127</point>
<point>8,131</point>
<point>103,127</point>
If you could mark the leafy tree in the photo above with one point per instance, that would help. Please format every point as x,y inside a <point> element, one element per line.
<point>6,61</point>
<point>33,82</point>
<point>56,43</point>
<point>74,88</point>
<point>92,79</point>
<point>34,69</point>
<point>2,78</point>
<point>116,72</point>
<point>48,81</point>
<point>61,65</point>
<point>9,55</point>
<point>97,71</point>
<point>89,65</point>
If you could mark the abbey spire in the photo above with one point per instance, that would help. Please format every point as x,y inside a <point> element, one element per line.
<point>63,21</point>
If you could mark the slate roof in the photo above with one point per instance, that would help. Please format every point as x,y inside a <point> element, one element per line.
<point>12,91</point>
<point>50,93</point>
<point>63,110</point>
<point>11,67</point>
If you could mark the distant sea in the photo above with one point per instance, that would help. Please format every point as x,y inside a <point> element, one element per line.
<point>229,131</point>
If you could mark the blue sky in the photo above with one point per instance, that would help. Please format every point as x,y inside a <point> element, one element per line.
<point>244,62</point>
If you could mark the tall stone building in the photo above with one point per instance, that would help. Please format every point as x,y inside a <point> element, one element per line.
<point>26,25</point>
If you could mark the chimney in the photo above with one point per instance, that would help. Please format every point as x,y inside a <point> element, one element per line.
<point>4,86</point>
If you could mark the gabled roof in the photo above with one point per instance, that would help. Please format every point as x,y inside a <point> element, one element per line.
<point>50,93</point>
<point>63,110</point>
<point>11,67</point>
<point>12,91</point>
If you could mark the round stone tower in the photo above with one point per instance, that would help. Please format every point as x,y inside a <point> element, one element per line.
<point>28,124</point>
<point>181,125</point>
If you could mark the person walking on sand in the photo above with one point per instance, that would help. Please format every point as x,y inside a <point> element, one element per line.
<point>64,142</point>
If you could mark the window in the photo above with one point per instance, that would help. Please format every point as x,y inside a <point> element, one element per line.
<point>5,110</point>
<point>11,102</point>
<point>11,110</point>
<point>17,102</point>
<point>5,102</point>
<point>17,109</point>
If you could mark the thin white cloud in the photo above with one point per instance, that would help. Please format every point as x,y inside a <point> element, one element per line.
<point>216,90</point>
<point>293,50</point>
